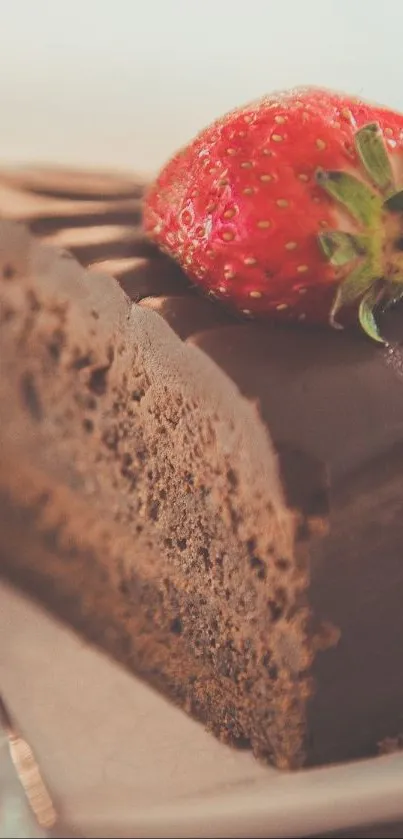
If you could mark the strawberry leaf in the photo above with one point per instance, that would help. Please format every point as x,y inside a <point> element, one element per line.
<point>366,315</point>
<point>360,201</point>
<point>372,151</point>
<point>352,288</point>
<point>340,248</point>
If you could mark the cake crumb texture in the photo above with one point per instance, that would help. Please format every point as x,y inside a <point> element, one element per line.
<point>141,500</point>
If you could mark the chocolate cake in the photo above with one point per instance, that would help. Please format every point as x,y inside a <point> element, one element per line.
<point>218,504</point>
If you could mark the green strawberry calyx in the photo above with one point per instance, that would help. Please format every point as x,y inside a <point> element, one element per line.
<point>372,259</point>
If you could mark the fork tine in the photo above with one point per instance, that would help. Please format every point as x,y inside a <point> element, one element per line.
<point>28,772</point>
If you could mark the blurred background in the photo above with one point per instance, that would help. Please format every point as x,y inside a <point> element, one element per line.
<point>123,83</point>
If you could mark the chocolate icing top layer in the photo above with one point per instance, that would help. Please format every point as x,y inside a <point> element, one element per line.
<point>334,395</point>
<point>333,401</point>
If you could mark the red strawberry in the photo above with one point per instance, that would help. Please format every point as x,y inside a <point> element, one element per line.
<point>289,208</point>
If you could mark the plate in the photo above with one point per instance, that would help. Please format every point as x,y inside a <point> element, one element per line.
<point>121,761</point>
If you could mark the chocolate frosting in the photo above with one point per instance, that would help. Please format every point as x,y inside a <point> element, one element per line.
<point>333,397</point>
<point>332,394</point>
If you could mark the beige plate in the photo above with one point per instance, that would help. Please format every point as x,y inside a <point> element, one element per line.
<point>121,761</point>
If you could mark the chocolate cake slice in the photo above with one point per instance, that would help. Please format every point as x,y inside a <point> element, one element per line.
<point>218,504</point>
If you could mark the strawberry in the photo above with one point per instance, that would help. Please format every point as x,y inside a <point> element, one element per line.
<point>290,208</point>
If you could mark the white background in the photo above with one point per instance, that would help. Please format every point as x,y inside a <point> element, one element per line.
<point>125,82</point>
